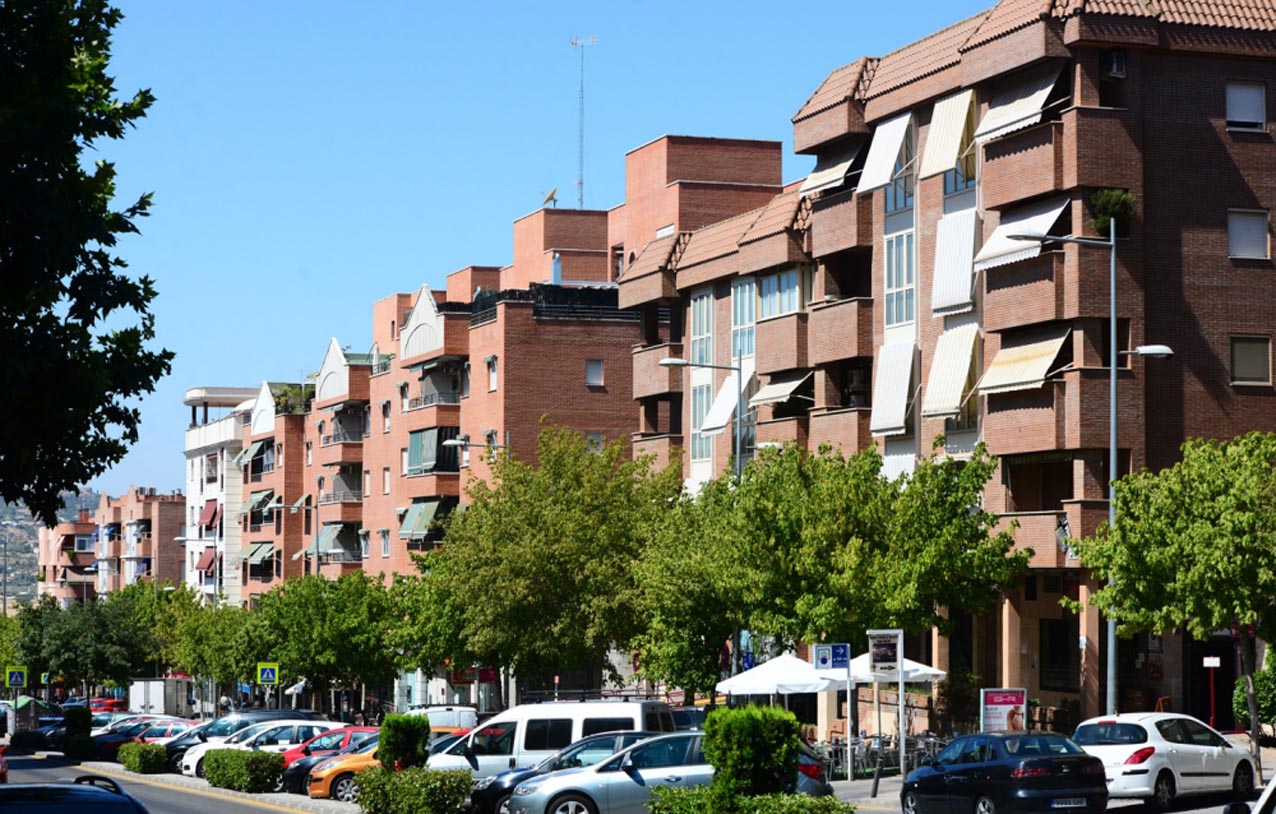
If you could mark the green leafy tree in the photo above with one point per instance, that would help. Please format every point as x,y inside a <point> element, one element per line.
<point>95,641</point>
<point>66,302</point>
<point>1194,547</point>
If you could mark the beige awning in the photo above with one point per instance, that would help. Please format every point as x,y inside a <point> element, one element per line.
<point>1036,219</point>
<point>723,406</point>
<point>831,168</point>
<point>1023,367</point>
<point>954,278</point>
<point>950,371</point>
<point>260,553</point>
<point>894,377</point>
<point>943,139</point>
<point>879,167</point>
<point>780,388</point>
<point>1019,103</point>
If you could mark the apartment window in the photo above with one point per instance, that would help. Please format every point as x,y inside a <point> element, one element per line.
<point>465,380</point>
<point>962,176</point>
<point>1246,105</point>
<point>367,421</point>
<point>1247,234</point>
<point>367,481</point>
<point>310,457</point>
<point>701,444</point>
<point>900,279</point>
<point>403,397</point>
<point>1251,360</point>
<point>594,441</point>
<point>899,192</point>
<point>744,315</point>
<point>702,328</point>
<point>491,373</point>
<point>403,461</point>
<point>781,293</point>
<point>365,548</point>
<point>385,480</point>
<point>385,416</point>
<point>385,542</point>
<point>593,372</point>
<point>664,231</point>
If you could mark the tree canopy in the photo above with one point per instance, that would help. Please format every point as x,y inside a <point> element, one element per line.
<point>73,363</point>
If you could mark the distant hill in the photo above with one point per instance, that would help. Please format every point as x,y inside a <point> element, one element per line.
<point>19,537</point>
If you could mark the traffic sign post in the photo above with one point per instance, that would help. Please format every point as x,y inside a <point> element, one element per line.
<point>837,656</point>
<point>1212,663</point>
<point>268,675</point>
<point>15,677</point>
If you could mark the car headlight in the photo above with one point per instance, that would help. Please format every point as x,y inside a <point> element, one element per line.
<point>483,782</point>
<point>524,790</point>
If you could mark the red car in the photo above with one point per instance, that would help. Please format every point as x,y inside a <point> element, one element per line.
<point>4,767</point>
<point>329,743</point>
<point>108,705</point>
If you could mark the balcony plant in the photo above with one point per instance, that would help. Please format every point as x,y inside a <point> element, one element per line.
<point>1110,203</point>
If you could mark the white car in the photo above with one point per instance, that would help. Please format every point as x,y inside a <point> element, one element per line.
<point>273,736</point>
<point>1157,756</point>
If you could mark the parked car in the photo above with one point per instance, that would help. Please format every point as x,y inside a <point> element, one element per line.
<point>689,717</point>
<point>1007,772</point>
<point>1157,756</point>
<point>218,730</point>
<point>296,777</point>
<point>95,793</point>
<point>164,730</point>
<point>813,776</point>
<point>491,794</point>
<point>101,720</point>
<point>107,745</point>
<point>337,777</point>
<point>445,742</point>
<point>4,765</point>
<point>108,705</point>
<point>1266,802</point>
<point>271,736</point>
<point>329,742</point>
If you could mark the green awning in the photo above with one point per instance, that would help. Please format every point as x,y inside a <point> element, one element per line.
<point>249,453</point>
<point>326,541</point>
<point>258,500</point>
<point>429,509</point>
<point>410,519</point>
<point>261,552</point>
<point>310,550</point>
<point>301,501</point>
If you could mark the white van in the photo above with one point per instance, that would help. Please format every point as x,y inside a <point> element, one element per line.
<point>448,717</point>
<point>526,734</point>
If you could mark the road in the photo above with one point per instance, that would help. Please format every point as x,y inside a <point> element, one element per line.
<point>160,799</point>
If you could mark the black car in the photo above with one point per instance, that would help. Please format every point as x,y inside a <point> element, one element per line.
<point>689,717</point>
<point>491,794</point>
<point>296,774</point>
<point>1005,772</point>
<point>101,795</point>
<point>228,725</point>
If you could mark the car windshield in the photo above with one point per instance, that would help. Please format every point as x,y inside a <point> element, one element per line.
<point>1041,745</point>
<point>366,747</point>
<point>244,734</point>
<point>1110,733</point>
<point>223,727</point>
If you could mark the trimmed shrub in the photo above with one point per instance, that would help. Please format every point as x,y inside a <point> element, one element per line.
<point>242,770</point>
<point>78,720</point>
<point>411,791</point>
<point>754,751</point>
<point>144,758</point>
<point>26,741</point>
<point>79,747</point>
<point>704,800</point>
<point>404,741</point>
<point>1264,694</point>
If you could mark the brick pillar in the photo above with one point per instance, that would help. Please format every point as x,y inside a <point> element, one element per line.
<point>1094,629</point>
<point>1011,658</point>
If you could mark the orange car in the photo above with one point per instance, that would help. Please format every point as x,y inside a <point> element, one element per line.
<point>335,777</point>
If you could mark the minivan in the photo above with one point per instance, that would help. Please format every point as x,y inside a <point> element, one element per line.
<point>528,733</point>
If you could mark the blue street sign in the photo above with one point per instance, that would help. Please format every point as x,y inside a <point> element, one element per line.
<point>267,672</point>
<point>15,677</point>
<point>841,656</point>
<point>746,661</point>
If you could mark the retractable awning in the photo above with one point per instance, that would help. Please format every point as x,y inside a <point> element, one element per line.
<point>260,553</point>
<point>1023,367</point>
<point>211,568</point>
<point>410,519</point>
<point>1019,103</point>
<point>259,500</point>
<point>217,516</point>
<point>780,388</point>
<point>326,540</point>
<point>954,278</point>
<point>1036,219</point>
<point>943,139</point>
<point>879,167</point>
<point>723,407</point>
<point>248,453</point>
<point>891,390</point>
<point>430,508</point>
<point>311,550</point>
<point>206,515</point>
<point>831,168</point>
<point>950,371</point>
<point>205,559</point>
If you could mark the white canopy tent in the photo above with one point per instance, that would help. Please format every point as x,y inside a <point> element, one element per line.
<point>782,675</point>
<point>862,673</point>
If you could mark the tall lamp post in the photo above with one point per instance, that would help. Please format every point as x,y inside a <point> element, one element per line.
<point>738,427</point>
<point>1114,356</point>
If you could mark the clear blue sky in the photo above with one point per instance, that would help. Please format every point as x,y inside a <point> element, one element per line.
<point>310,158</point>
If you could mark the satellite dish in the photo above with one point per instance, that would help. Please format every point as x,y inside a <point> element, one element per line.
<point>551,198</point>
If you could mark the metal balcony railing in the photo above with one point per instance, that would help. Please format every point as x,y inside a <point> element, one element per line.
<point>341,496</point>
<point>420,402</point>
<point>343,437</point>
<point>340,556</point>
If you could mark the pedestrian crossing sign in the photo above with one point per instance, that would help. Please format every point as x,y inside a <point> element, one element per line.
<point>15,676</point>
<point>44,679</point>
<point>267,672</point>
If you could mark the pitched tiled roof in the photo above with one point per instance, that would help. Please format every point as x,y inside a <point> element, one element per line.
<point>924,57</point>
<point>655,256</point>
<point>1008,16</point>
<point>777,216</point>
<point>717,239</point>
<point>839,86</point>
<point>1244,15</point>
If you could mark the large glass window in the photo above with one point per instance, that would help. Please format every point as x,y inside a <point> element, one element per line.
<point>1246,105</point>
<point>548,734</point>
<point>744,299</point>
<point>702,328</point>
<point>701,444</point>
<point>781,293</point>
<point>1247,234</point>
<point>1251,360</point>
<point>962,176</point>
<point>899,192</point>
<point>901,279</point>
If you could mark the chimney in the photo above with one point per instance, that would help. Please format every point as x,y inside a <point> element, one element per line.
<point>84,516</point>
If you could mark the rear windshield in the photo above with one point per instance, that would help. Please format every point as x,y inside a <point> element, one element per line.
<point>1109,733</point>
<point>1039,745</point>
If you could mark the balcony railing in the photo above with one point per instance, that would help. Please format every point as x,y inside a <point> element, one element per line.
<point>340,556</point>
<point>341,496</point>
<point>421,402</point>
<point>343,437</point>
<point>381,367</point>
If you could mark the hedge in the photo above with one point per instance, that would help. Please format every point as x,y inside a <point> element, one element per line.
<point>754,751</point>
<point>1264,693</point>
<point>78,720</point>
<point>705,800</point>
<point>26,741</point>
<point>404,741</point>
<point>144,758</point>
<point>243,770</point>
<point>412,791</point>
<point>79,747</point>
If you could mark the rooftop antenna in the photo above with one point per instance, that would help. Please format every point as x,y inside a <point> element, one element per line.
<point>580,177</point>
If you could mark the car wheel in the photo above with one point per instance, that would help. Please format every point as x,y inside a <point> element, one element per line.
<point>1162,792</point>
<point>1243,781</point>
<point>345,789</point>
<point>910,802</point>
<point>199,769</point>
<point>175,763</point>
<point>279,784</point>
<point>502,805</point>
<point>572,804</point>
<point>984,805</point>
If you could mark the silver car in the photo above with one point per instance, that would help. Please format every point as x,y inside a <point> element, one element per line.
<point>621,784</point>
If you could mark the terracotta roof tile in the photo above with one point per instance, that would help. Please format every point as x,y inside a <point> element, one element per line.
<point>776,217</point>
<point>836,88</point>
<point>1244,15</point>
<point>717,239</point>
<point>924,57</point>
<point>654,257</point>
<point>1008,16</point>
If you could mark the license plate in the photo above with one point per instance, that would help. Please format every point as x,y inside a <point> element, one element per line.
<point>1068,802</point>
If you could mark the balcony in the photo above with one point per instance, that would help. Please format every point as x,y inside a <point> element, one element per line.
<point>650,379</point>
<point>1044,532</point>
<point>343,506</point>
<point>784,430</point>
<point>435,482</point>
<point>844,429</point>
<point>1068,413</point>
<point>1071,283</point>
<point>257,475</point>
<point>1104,132</point>
<point>421,402</point>
<point>843,221</point>
<point>340,448</point>
<point>661,447</point>
<point>841,329</point>
<point>139,550</point>
<point>781,343</point>
<point>1023,165</point>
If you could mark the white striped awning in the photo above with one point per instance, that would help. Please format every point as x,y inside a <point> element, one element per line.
<point>894,378</point>
<point>954,276</point>
<point>1036,219</point>
<point>1019,103</point>
<point>1023,367</point>
<point>950,371</point>
<point>780,388</point>
<point>723,406</point>
<point>831,168</point>
<point>943,139</point>
<point>879,167</point>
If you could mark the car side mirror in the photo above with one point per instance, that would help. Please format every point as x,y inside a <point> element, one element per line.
<point>1236,808</point>
<point>928,761</point>
<point>202,737</point>
<point>305,750</point>
<point>628,764</point>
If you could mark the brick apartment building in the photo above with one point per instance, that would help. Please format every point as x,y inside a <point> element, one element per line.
<point>883,301</point>
<point>64,560</point>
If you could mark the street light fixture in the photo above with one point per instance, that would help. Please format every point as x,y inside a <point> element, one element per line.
<point>1152,351</point>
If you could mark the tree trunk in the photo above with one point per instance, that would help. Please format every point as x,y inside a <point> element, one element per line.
<point>1255,727</point>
